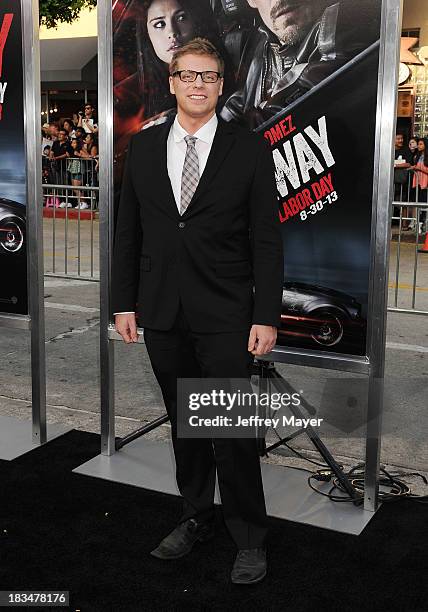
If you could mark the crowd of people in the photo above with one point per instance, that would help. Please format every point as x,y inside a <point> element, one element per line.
<point>411,176</point>
<point>70,157</point>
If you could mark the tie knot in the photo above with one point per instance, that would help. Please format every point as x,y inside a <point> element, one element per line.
<point>190,140</point>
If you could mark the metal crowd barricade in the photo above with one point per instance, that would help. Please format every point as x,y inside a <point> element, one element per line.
<point>71,219</point>
<point>61,172</point>
<point>409,241</point>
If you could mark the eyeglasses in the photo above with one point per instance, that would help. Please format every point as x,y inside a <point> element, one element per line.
<point>190,76</point>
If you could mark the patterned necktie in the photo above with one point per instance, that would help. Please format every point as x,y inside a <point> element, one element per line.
<point>190,176</point>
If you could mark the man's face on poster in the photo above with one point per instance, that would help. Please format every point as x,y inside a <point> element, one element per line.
<point>290,20</point>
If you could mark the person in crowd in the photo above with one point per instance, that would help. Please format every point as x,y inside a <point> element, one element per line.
<point>403,159</point>
<point>89,152</point>
<point>48,176</point>
<point>299,44</point>
<point>68,126</point>
<point>87,119</point>
<point>45,131</point>
<point>79,133</point>
<point>90,145</point>
<point>420,179</point>
<point>74,167</point>
<point>413,147</point>
<point>58,155</point>
<point>53,130</point>
<point>46,153</point>
<point>46,164</point>
<point>60,147</point>
<point>46,137</point>
<point>420,167</point>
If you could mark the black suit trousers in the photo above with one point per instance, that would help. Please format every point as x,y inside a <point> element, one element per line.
<point>181,353</point>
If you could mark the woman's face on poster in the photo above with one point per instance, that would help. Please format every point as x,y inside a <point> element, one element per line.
<point>169,27</point>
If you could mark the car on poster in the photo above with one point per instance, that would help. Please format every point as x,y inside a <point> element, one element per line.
<point>318,317</point>
<point>13,260</point>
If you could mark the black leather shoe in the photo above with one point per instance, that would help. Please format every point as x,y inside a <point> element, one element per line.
<point>250,566</point>
<point>181,541</point>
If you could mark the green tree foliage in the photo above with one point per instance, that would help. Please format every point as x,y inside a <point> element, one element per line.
<point>54,12</point>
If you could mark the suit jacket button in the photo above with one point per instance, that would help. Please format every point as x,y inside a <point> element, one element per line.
<point>181,224</point>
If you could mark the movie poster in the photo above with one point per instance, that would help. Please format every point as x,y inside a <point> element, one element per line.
<point>303,74</point>
<point>13,259</point>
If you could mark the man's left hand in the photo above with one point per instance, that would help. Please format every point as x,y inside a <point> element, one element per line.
<point>262,339</point>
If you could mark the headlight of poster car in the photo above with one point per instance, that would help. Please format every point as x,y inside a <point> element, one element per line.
<point>11,234</point>
<point>12,227</point>
<point>13,259</point>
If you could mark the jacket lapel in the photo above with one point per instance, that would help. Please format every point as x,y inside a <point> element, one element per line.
<point>223,140</point>
<point>164,193</point>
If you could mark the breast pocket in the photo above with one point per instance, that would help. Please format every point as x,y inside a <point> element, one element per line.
<point>231,269</point>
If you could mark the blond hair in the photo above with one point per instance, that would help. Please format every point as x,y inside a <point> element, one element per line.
<point>197,46</point>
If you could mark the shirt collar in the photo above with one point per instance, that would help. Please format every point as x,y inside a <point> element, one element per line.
<point>206,133</point>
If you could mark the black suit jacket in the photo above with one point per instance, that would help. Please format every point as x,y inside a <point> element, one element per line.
<point>222,258</point>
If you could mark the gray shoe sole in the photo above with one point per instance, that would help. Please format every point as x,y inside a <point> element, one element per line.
<point>255,581</point>
<point>161,555</point>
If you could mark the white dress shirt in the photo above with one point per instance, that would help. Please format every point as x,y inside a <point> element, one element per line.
<point>176,153</point>
<point>177,147</point>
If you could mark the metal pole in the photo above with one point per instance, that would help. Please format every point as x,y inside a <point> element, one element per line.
<point>31,55</point>
<point>105,93</point>
<point>142,431</point>
<point>32,113</point>
<point>415,267</point>
<point>382,198</point>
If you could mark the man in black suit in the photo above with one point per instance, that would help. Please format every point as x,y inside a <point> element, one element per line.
<point>198,248</point>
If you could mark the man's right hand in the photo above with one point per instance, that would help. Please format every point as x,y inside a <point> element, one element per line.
<point>126,326</point>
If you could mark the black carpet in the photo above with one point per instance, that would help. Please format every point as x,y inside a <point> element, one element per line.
<point>60,530</point>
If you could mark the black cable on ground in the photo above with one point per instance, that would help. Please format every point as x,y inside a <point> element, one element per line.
<point>396,489</point>
<point>391,488</point>
<point>293,450</point>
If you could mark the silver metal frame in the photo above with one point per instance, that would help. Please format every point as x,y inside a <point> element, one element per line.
<point>382,198</point>
<point>32,101</point>
<point>31,48</point>
<point>105,117</point>
<point>34,226</point>
<point>373,364</point>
